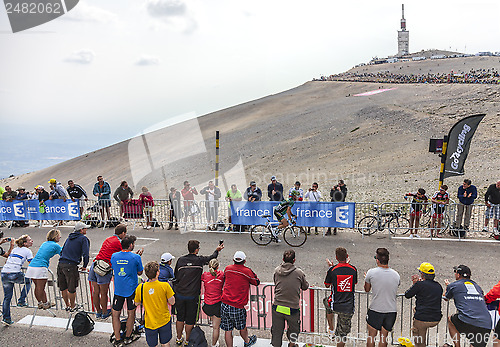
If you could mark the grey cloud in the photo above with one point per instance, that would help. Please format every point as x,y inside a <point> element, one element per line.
<point>166,8</point>
<point>81,57</point>
<point>146,60</point>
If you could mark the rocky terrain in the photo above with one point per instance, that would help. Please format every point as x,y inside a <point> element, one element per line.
<point>318,131</point>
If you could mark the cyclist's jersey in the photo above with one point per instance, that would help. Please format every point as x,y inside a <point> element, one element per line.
<point>442,198</point>
<point>283,206</point>
<point>417,203</point>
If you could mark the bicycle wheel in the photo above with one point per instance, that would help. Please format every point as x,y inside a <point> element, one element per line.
<point>445,224</point>
<point>295,236</point>
<point>261,235</point>
<point>399,226</point>
<point>368,225</point>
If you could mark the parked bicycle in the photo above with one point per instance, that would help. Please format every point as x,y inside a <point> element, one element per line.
<point>293,235</point>
<point>395,222</point>
<point>426,219</point>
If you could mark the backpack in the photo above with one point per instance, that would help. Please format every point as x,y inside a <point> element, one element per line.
<point>137,330</point>
<point>82,324</point>
<point>197,338</point>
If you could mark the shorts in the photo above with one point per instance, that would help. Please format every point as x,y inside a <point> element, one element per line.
<point>232,318</point>
<point>343,327</point>
<point>478,337</point>
<point>164,332</point>
<point>212,310</point>
<point>379,320</point>
<point>493,212</point>
<point>93,277</point>
<point>437,212</point>
<point>497,330</point>
<point>187,310</point>
<point>67,277</point>
<point>37,273</point>
<point>416,211</point>
<point>279,215</point>
<point>103,202</point>
<point>118,302</point>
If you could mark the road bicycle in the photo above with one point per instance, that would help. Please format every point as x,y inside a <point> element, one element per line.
<point>293,235</point>
<point>426,219</point>
<point>395,222</point>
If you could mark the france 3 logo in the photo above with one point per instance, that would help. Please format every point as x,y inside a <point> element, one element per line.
<point>26,14</point>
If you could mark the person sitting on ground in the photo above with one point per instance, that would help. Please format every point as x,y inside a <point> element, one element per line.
<point>213,280</point>
<point>285,208</point>
<point>473,318</point>
<point>12,274</point>
<point>166,271</point>
<point>429,294</point>
<point>38,270</point>
<point>439,201</point>
<point>155,296</point>
<point>417,207</point>
<point>9,194</point>
<point>148,203</point>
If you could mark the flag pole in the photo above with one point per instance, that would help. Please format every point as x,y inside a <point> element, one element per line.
<point>217,158</point>
<point>443,161</point>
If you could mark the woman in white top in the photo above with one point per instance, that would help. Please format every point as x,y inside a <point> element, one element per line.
<point>12,273</point>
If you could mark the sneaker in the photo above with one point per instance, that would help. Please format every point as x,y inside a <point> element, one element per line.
<point>148,227</point>
<point>411,236</point>
<point>67,308</point>
<point>417,236</point>
<point>106,315</point>
<point>7,322</point>
<point>335,231</point>
<point>186,343</point>
<point>308,232</point>
<point>251,341</point>
<point>131,338</point>
<point>179,342</point>
<point>485,230</point>
<point>118,343</point>
<point>76,308</point>
<point>47,305</point>
<point>278,240</point>
<point>98,315</point>
<point>22,304</point>
<point>40,305</point>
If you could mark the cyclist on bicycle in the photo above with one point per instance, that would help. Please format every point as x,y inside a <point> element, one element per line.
<point>285,208</point>
<point>418,205</point>
<point>439,202</point>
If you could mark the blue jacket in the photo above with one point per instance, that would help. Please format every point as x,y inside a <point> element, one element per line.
<point>166,273</point>
<point>105,191</point>
<point>467,201</point>
<point>75,248</point>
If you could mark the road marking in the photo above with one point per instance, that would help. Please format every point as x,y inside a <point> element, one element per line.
<point>443,239</point>
<point>153,240</point>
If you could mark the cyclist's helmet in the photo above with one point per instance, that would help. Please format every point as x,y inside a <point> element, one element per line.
<point>294,193</point>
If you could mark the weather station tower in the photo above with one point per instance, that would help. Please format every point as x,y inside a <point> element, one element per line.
<point>403,36</point>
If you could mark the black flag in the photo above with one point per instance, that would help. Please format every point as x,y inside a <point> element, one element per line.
<point>459,140</point>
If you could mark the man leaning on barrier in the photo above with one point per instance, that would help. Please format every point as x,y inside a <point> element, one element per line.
<point>428,306</point>
<point>341,278</point>
<point>75,248</point>
<point>289,280</point>
<point>383,282</point>
<point>101,277</point>
<point>472,318</point>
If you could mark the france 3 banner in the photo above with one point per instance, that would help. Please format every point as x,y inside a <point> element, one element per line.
<point>459,139</point>
<point>31,210</point>
<point>309,214</point>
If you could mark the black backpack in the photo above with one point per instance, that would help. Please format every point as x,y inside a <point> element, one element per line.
<point>82,324</point>
<point>197,338</point>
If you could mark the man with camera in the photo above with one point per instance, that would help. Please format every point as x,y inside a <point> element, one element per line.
<point>337,194</point>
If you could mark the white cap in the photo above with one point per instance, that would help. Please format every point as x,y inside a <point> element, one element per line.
<point>239,256</point>
<point>80,225</point>
<point>165,257</point>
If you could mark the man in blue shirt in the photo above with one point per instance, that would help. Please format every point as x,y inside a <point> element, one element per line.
<point>467,193</point>
<point>473,318</point>
<point>126,267</point>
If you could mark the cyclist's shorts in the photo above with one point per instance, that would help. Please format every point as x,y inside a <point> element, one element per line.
<point>279,216</point>
<point>437,215</point>
<point>415,211</point>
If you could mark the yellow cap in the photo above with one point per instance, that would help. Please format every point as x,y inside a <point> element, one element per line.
<point>427,268</point>
<point>52,181</point>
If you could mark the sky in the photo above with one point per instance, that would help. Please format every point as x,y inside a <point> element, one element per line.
<point>107,70</point>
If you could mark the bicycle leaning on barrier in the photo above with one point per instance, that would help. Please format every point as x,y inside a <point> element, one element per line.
<point>395,222</point>
<point>263,235</point>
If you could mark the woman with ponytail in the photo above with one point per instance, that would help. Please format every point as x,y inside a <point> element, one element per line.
<point>212,297</point>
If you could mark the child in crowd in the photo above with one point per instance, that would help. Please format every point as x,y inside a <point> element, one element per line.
<point>147,206</point>
<point>166,271</point>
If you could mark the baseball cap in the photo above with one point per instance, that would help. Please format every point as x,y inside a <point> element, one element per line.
<point>165,257</point>
<point>462,270</point>
<point>39,187</point>
<point>21,188</point>
<point>239,256</point>
<point>52,180</point>
<point>80,225</point>
<point>252,183</point>
<point>273,178</point>
<point>427,268</point>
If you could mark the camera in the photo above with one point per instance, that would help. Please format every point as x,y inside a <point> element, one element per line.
<point>221,242</point>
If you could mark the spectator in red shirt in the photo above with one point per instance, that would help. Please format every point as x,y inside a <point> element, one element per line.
<point>237,280</point>
<point>491,296</point>
<point>213,280</point>
<point>100,284</point>
<point>188,194</point>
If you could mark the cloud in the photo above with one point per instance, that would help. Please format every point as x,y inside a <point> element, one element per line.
<point>166,8</point>
<point>81,57</point>
<point>92,14</point>
<point>146,60</point>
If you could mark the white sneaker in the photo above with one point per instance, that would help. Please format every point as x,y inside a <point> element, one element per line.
<point>411,236</point>
<point>485,230</point>
<point>417,236</point>
<point>148,227</point>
